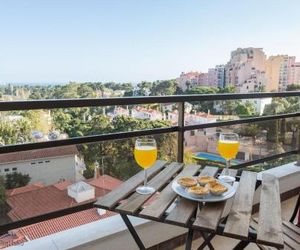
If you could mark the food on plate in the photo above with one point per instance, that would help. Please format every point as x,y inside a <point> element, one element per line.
<point>216,188</point>
<point>187,182</point>
<point>198,191</point>
<point>203,180</point>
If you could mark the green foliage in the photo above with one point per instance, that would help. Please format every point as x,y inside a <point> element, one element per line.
<point>227,89</point>
<point>202,90</point>
<point>293,87</point>
<point>188,158</point>
<point>272,164</point>
<point>203,106</point>
<point>15,180</point>
<point>167,87</point>
<point>15,132</point>
<point>244,108</point>
<point>118,154</point>
<point>250,130</point>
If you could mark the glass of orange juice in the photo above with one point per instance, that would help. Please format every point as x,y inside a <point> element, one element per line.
<point>228,147</point>
<point>145,154</point>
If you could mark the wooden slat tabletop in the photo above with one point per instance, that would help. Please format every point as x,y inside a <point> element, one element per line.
<point>269,223</point>
<point>167,195</point>
<point>127,187</point>
<point>170,208</point>
<point>136,200</point>
<point>238,221</point>
<point>185,209</point>
<point>209,216</point>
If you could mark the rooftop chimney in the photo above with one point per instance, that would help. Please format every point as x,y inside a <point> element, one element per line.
<point>81,191</point>
<point>96,170</point>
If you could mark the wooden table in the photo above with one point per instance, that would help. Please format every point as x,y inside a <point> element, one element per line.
<point>209,219</point>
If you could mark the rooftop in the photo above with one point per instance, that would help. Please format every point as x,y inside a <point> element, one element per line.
<point>38,154</point>
<point>37,200</point>
<point>52,226</point>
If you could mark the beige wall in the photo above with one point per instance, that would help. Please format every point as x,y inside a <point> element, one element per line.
<point>46,170</point>
<point>272,70</point>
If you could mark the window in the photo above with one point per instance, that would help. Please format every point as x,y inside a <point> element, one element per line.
<point>14,169</point>
<point>6,170</point>
<point>47,161</point>
<point>192,133</point>
<point>32,163</point>
<point>40,162</point>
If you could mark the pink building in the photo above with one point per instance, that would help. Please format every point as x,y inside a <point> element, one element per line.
<point>294,75</point>
<point>245,64</point>
<point>208,79</point>
<point>188,80</point>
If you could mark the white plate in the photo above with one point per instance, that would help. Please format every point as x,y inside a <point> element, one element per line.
<point>208,198</point>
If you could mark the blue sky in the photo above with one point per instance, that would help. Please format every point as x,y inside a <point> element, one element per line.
<point>127,40</point>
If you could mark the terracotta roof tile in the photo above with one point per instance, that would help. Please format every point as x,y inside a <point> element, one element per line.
<point>24,189</point>
<point>54,197</point>
<point>8,240</point>
<point>59,224</point>
<point>38,154</point>
<point>52,226</point>
<point>35,199</point>
<point>105,181</point>
<point>62,185</point>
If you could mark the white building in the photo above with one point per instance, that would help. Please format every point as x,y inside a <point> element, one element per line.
<point>48,165</point>
<point>146,114</point>
<point>199,118</point>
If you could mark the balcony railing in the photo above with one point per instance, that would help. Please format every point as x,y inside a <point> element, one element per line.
<point>180,129</point>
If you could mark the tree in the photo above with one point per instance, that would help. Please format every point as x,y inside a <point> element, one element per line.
<point>276,129</point>
<point>227,89</point>
<point>167,87</point>
<point>15,132</point>
<point>117,155</point>
<point>15,180</point>
<point>202,106</point>
<point>244,108</point>
<point>144,88</point>
<point>293,87</point>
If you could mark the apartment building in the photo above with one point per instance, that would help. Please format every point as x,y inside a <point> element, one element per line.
<point>282,70</point>
<point>294,73</point>
<point>246,66</point>
<point>188,80</point>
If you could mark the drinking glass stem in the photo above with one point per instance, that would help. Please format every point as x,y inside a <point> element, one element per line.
<point>227,167</point>
<point>145,180</point>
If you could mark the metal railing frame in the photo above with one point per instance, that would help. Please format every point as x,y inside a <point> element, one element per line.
<point>180,129</point>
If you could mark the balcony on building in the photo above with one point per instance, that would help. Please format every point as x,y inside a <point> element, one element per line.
<point>54,210</point>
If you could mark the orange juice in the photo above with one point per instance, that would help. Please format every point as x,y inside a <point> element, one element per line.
<point>145,156</point>
<point>228,149</point>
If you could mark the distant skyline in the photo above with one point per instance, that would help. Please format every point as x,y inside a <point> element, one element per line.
<point>57,41</point>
